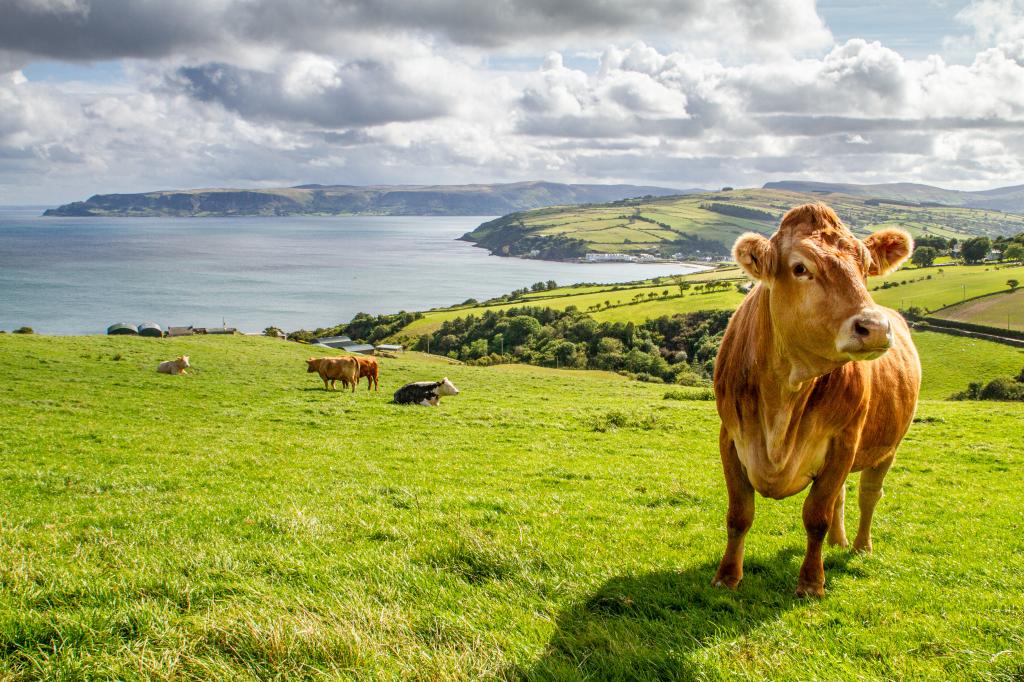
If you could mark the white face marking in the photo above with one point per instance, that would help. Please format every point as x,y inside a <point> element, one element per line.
<point>446,388</point>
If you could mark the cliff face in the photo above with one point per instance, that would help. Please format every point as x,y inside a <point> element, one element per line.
<point>342,199</point>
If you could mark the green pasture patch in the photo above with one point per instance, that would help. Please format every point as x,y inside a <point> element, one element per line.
<point>240,522</point>
<point>952,285</point>
<point>951,362</point>
<point>1002,310</point>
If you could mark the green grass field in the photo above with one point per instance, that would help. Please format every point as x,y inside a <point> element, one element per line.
<point>948,285</point>
<point>646,226</point>
<point>1004,310</point>
<point>242,523</point>
<point>952,285</point>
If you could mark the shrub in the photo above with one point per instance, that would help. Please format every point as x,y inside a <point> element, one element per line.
<point>1002,388</point>
<point>700,394</point>
<point>24,330</point>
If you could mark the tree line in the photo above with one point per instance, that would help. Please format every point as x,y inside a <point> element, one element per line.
<point>678,348</point>
<point>974,250</point>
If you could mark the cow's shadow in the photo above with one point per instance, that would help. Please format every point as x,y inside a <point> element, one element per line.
<point>650,626</point>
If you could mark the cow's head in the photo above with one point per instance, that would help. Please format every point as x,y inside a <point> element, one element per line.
<point>815,271</point>
<point>312,365</point>
<point>446,387</point>
<point>183,362</point>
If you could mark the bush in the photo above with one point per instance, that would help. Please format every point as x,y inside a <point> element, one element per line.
<point>701,394</point>
<point>301,335</point>
<point>24,330</point>
<point>1000,388</point>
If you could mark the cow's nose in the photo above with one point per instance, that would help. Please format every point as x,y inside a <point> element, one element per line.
<point>873,330</point>
<point>866,334</point>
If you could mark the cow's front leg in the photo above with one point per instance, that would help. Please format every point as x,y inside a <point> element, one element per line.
<point>739,517</point>
<point>819,508</point>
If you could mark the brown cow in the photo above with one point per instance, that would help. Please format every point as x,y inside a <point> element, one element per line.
<point>813,380</point>
<point>369,368</point>
<point>332,369</point>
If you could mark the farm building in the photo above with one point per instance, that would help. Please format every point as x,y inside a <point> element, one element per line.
<point>391,347</point>
<point>122,329</point>
<point>151,329</point>
<point>356,348</point>
<point>181,331</point>
<point>215,330</point>
<point>333,341</point>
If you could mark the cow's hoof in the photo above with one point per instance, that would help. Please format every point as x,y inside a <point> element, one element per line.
<point>729,582</point>
<point>862,547</point>
<point>838,542</point>
<point>809,590</point>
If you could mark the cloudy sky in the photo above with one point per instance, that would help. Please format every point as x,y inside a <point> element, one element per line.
<point>102,96</point>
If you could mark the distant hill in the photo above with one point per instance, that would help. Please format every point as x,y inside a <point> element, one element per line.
<point>699,226</point>
<point>494,199</point>
<point>1010,199</point>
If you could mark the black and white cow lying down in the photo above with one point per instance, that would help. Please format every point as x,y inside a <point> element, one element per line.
<point>425,392</point>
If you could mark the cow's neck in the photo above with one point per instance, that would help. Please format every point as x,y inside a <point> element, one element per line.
<point>786,379</point>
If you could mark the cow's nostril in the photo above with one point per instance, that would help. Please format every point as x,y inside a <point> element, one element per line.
<point>860,329</point>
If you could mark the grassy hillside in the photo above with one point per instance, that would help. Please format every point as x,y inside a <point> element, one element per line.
<point>708,224</point>
<point>928,288</point>
<point>1000,198</point>
<point>242,523</point>
<point>1004,311</point>
<point>493,199</point>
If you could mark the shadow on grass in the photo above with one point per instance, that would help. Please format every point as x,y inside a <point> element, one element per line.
<point>646,627</point>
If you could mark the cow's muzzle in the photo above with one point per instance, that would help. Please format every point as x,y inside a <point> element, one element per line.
<point>865,336</point>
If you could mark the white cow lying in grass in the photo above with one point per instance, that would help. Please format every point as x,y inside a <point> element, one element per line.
<point>425,392</point>
<point>177,366</point>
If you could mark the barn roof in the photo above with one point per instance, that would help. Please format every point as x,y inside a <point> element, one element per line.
<point>333,339</point>
<point>150,329</point>
<point>122,328</point>
<point>357,348</point>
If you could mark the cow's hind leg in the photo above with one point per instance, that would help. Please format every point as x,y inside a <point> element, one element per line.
<point>739,517</point>
<point>870,491</point>
<point>837,529</point>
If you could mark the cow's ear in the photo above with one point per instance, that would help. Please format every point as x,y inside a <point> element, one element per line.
<point>755,254</point>
<point>888,249</point>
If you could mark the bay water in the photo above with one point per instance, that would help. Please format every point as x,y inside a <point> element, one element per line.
<point>80,275</point>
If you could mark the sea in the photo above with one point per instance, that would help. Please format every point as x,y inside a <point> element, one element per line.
<point>80,275</point>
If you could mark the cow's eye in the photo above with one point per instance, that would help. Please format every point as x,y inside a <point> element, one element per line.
<point>799,270</point>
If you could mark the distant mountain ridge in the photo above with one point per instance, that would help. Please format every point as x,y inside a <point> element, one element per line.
<point>1009,199</point>
<point>481,199</point>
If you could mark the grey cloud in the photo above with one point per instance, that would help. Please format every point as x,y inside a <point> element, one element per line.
<point>797,124</point>
<point>600,127</point>
<point>106,29</point>
<point>358,94</point>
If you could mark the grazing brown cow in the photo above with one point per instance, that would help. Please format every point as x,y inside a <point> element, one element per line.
<point>813,380</point>
<point>369,368</point>
<point>332,369</point>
